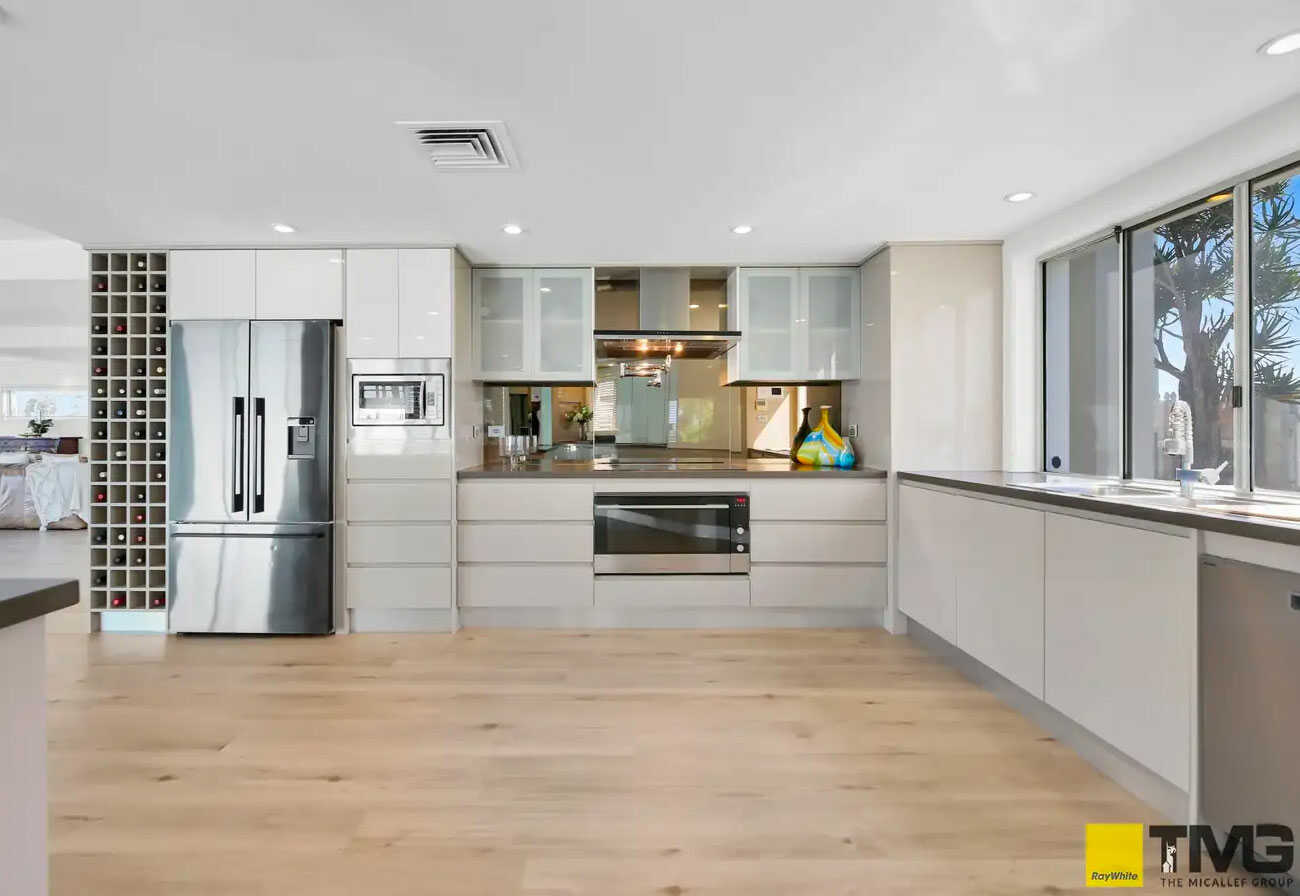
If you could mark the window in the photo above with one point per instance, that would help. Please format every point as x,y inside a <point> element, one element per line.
<point>1275,331</point>
<point>30,402</point>
<point>1083,395</point>
<point>1181,331</point>
<point>1189,367</point>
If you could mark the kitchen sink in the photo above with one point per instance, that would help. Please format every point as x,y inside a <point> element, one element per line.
<point>1096,490</point>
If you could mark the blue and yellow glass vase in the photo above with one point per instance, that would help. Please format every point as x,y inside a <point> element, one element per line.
<point>823,447</point>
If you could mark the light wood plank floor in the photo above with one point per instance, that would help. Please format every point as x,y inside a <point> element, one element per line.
<point>503,762</point>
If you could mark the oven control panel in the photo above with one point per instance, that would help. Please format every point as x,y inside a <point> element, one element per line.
<point>740,524</point>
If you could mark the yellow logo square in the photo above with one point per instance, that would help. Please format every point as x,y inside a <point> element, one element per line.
<point>1113,855</point>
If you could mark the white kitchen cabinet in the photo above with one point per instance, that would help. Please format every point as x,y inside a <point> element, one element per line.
<point>299,284</point>
<point>796,324</point>
<point>928,532</point>
<point>831,323</point>
<point>424,296</point>
<point>999,588</point>
<point>534,324</point>
<point>501,299</point>
<point>399,303</point>
<point>1119,648</point>
<point>211,284</point>
<point>372,290</point>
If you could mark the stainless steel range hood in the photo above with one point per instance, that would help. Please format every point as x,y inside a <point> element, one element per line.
<point>664,323</point>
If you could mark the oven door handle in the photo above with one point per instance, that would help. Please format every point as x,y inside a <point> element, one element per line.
<point>600,507</point>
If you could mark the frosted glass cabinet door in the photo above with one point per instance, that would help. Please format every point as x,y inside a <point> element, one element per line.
<point>769,305</point>
<point>829,323</point>
<point>564,300</point>
<point>500,321</point>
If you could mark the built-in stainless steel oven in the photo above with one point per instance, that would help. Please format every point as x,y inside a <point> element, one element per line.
<point>640,534</point>
<point>406,396</point>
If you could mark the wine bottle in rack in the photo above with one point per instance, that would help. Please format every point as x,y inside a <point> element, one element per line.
<point>139,264</point>
<point>139,517</point>
<point>100,350</point>
<point>158,434</point>
<point>102,474</point>
<point>100,497</point>
<point>158,602</point>
<point>98,327</point>
<point>119,412</point>
<point>139,392</point>
<point>159,370</point>
<point>99,371</point>
<point>158,454</point>
<point>159,327</point>
<point>158,476</point>
<point>159,391</point>
<point>120,538</point>
<point>139,412</point>
<point>139,496</point>
<point>120,328</point>
<point>138,371</point>
<point>100,433</point>
<point>119,454</point>
<point>100,538</point>
<point>118,600</point>
<point>99,390</point>
<point>159,349</point>
<point>100,579</point>
<point>139,559</point>
<point>159,307</point>
<point>99,412</point>
<point>137,433</point>
<point>119,558</point>
<point>139,539</point>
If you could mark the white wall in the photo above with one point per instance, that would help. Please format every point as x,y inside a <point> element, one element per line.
<point>44,303</point>
<point>1260,140</point>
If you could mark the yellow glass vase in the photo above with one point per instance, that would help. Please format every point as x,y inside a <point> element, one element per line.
<point>824,447</point>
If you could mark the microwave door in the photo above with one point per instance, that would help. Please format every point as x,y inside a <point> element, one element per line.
<point>207,433</point>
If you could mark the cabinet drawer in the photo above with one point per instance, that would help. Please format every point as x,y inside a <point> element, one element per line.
<point>817,586</point>
<point>561,542</point>
<point>525,585</point>
<point>396,501</point>
<point>509,501</point>
<point>405,465</point>
<point>681,591</point>
<point>801,499</point>
<point>818,542</point>
<point>399,544</point>
<point>399,587</point>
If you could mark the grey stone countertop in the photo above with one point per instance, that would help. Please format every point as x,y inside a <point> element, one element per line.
<point>1213,509</point>
<point>24,599</point>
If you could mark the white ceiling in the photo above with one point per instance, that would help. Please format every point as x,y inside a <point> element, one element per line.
<point>645,129</point>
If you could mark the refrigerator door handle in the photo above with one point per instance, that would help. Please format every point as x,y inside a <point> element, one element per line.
<point>237,490</point>
<point>259,492</point>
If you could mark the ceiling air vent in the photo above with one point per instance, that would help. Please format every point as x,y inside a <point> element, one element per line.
<point>463,144</point>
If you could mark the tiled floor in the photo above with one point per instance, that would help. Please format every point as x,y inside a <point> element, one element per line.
<point>28,554</point>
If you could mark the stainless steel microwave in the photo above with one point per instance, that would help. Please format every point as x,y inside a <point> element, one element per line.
<point>407,392</point>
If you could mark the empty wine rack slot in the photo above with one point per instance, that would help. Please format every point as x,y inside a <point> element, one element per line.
<point>128,432</point>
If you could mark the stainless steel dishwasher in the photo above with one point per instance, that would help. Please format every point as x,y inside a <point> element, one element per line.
<point>1250,694</point>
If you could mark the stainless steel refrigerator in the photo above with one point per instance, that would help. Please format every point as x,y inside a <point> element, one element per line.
<point>250,502</point>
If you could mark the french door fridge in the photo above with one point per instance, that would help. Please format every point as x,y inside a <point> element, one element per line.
<point>250,503</point>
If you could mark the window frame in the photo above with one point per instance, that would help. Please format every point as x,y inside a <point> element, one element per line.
<point>1241,187</point>
<point>1085,245</point>
<point>10,411</point>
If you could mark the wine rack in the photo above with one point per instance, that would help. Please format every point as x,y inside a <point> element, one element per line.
<point>128,435</point>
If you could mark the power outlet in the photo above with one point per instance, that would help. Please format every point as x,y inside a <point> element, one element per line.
<point>853,430</point>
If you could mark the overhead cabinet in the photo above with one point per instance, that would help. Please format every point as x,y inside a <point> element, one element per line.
<point>256,284</point>
<point>399,303</point>
<point>796,324</point>
<point>534,324</point>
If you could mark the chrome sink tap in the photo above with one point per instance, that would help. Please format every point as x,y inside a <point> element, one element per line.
<point>1188,479</point>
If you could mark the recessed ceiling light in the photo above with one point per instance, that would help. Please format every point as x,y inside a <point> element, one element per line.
<point>513,229</point>
<point>1282,44</point>
<point>546,289</point>
<point>693,307</point>
<point>722,304</point>
<point>282,228</point>
<point>741,229</point>
<point>1022,196</point>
